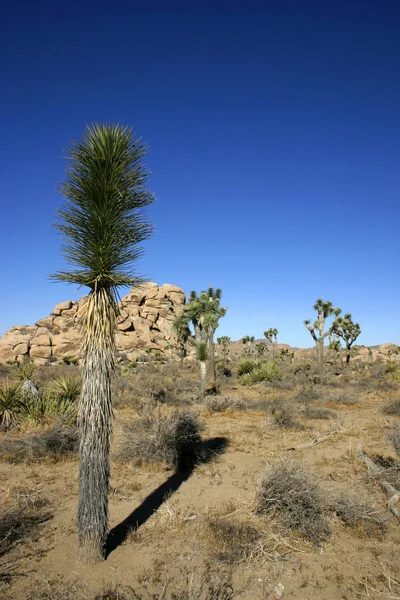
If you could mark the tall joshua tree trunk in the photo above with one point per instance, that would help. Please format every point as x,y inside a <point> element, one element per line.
<point>203,377</point>
<point>212,360</point>
<point>95,423</point>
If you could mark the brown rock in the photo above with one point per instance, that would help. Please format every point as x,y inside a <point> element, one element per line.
<point>6,354</point>
<point>125,325</point>
<point>40,351</point>
<point>62,306</point>
<point>41,340</point>
<point>22,348</point>
<point>47,322</point>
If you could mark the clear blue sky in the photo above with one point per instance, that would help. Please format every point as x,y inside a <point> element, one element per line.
<point>274,149</point>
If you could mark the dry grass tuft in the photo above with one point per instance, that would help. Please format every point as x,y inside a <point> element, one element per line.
<point>54,444</point>
<point>395,438</point>
<point>285,415</point>
<point>18,525</point>
<point>223,403</point>
<point>174,440</point>
<point>359,515</point>
<point>231,541</point>
<point>312,412</point>
<point>392,408</point>
<point>292,495</point>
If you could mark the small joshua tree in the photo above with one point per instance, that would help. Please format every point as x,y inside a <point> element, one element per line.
<point>272,336</point>
<point>317,329</point>
<point>347,331</point>
<point>248,342</point>
<point>261,348</point>
<point>224,342</point>
<point>203,311</point>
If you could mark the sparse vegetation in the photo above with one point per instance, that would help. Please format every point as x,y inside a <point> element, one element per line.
<point>173,440</point>
<point>392,408</point>
<point>259,371</point>
<point>291,494</point>
<point>54,444</point>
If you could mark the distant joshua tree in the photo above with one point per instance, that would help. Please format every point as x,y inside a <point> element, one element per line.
<point>224,342</point>
<point>324,310</point>
<point>248,342</point>
<point>203,311</point>
<point>347,331</point>
<point>272,336</point>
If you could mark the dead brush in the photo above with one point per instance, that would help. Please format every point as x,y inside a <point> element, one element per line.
<point>314,412</point>
<point>359,516</point>
<point>53,444</point>
<point>285,415</point>
<point>223,403</point>
<point>395,438</point>
<point>292,496</point>
<point>174,440</point>
<point>18,526</point>
<point>231,541</point>
<point>392,408</point>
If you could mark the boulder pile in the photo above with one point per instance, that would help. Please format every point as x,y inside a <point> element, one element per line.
<point>147,313</point>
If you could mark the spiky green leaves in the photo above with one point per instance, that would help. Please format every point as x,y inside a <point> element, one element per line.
<point>346,329</point>
<point>202,351</point>
<point>102,224</point>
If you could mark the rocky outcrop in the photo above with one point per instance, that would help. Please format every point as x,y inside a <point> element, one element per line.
<point>145,323</point>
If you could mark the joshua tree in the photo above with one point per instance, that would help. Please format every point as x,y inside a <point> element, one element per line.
<point>202,355</point>
<point>203,311</point>
<point>272,336</point>
<point>347,331</point>
<point>317,330</point>
<point>248,342</point>
<point>182,332</point>
<point>224,342</point>
<point>260,348</point>
<point>102,226</point>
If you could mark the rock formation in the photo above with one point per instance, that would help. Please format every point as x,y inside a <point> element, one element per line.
<point>145,323</point>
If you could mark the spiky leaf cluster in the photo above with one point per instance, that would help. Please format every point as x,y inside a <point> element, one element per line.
<point>102,224</point>
<point>345,328</point>
<point>271,334</point>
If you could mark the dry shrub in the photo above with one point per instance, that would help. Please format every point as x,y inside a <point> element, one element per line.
<point>231,541</point>
<point>308,393</point>
<point>53,444</point>
<point>392,408</point>
<point>222,403</point>
<point>292,495</point>
<point>343,396</point>
<point>191,587</point>
<point>284,415</point>
<point>174,440</point>
<point>18,526</point>
<point>359,515</point>
<point>395,438</point>
<point>312,412</point>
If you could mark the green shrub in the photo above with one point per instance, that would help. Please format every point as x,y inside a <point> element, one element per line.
<point>261,372</point>
<point>247,365</point>
<point>11,405</point>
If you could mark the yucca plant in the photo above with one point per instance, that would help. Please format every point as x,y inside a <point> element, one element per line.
<point>67,388</point>
<point>102,227</point>
<point>47,409</point>
<point>10,404</point>
<point>25,373</point>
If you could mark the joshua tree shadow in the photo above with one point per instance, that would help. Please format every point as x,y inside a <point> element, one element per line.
<point>211,448</point>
